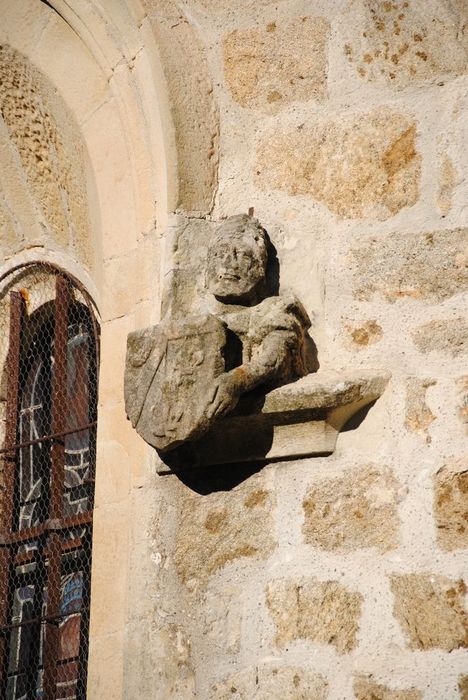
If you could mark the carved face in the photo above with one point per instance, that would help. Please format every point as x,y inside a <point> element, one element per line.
<point>235,269</point>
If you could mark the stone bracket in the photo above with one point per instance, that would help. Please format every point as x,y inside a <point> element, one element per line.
<point>301,419</point>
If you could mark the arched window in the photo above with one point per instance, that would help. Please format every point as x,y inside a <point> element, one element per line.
<point>48,487</point>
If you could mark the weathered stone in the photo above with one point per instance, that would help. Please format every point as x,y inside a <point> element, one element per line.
<point>182,376</point>
<point>426,266</point>
<point>358,166</point>
<point>266,681</point>
<point>368,689</point>
<point>325,612</point>
<point>220,528</point>
<point>280,63</point>
<point>50,150</point>
<point>448,179</point>
<point>431,611</point>
<point>193,109</point>
<point>219,7</point>
<point>418,414</point>
<point>368,333</point>
<point>222,618</point>
<point>462,384</point>
<point>463,687</point>
<point>451,505</point>
<point>448,335</point>
<point>353,511</point>
<point>404,43</point>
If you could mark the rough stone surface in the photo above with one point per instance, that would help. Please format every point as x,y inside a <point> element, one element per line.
<point>280,63</point>
<point>368,689</point>
<point>429,266</point>
<point>221,528</point>
<point>451,505</point>
<point>194,111</point>
<point>462,384</point>
<point>448,179</point>
<point>463,687</point>
<point>431,611</point>
<point>358,166</point>
<point>418,416</point>
<point>369,333</point>
<point>448,336</point>
<point>49,149</point>
<point>400,42</point>
<point>325,612</point>
<point>353,511</point>
<point>183,376</point>
<point>267,681</point>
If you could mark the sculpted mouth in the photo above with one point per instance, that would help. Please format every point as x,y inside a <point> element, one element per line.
<point>230,277</point>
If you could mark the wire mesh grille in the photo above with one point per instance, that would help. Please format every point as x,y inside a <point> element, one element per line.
<point>49,393</point>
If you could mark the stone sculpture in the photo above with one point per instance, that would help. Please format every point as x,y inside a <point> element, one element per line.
<point>183,376</point>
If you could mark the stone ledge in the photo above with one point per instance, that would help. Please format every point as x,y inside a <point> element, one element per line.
<point>300,419</point>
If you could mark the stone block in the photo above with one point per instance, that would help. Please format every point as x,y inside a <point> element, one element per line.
<point>49,149</point>
<point>193,109</point>
<point>462,384</point>
<point>266,681</point>
<point>353,511</point>
<point>223,527</point>
<point>418,414</point>
<point>401,43</point>
<point>448,179</point>
<point>368,333</point>
<point>283,62</point>
<point>368,689</point>
<point>463,687</point>
<point>451,505</point>
<point>358,166</point>
<point>446,335</point>
<point>426,266</point>
<point>431,611</point>
<point>325,612</point>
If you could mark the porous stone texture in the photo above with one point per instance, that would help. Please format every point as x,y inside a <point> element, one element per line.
<point>362,165</point>
<point>325,612</point>
<point>462,384</point>
<point>431,611</point>
<point>429,266</point>
<point>451,505</point>
<point>398,43</point>
<point>368,689</point>
<point>446,335</point>
<point>282,62</point>
<point>220,529</point>
<point>353,511</point>
<point>50,152</point>
<point>418,414</point>
<point>463,687</point>
<point>267,681</point>
<point>368,333</point>
<point>194,112</point>
<point>448,179</point>
<point>131,109</point>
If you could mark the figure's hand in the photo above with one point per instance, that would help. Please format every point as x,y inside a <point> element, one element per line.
<point>225,395</point>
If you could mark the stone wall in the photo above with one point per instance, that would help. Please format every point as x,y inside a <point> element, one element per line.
<point>343,123</point>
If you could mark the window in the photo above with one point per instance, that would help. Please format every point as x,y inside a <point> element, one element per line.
<point>48,486</point>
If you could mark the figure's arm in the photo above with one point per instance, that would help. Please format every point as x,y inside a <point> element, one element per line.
<point>264,368</point>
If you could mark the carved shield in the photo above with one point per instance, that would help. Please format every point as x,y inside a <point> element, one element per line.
<point>169,376</point>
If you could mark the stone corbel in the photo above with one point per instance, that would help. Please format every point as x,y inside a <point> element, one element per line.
<point>301,419</point>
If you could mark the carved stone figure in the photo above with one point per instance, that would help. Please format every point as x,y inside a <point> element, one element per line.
<point>183,376</point>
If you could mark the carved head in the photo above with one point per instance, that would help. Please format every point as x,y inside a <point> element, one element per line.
<point>237,260</point>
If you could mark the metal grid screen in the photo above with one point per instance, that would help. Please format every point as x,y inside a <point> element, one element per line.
<point>48,459</point>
